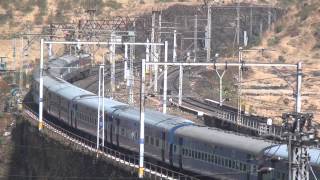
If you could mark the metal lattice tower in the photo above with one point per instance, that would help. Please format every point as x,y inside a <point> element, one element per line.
<point>300,135</point>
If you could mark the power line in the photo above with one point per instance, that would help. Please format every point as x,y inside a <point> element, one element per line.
<point>67,177</point>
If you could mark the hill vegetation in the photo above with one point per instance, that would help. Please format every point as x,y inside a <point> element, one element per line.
<point>295,37</point>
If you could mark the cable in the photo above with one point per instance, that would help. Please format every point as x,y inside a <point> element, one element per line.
<point>67,177</point>
<point>311,169</point>
<point>36,147</point>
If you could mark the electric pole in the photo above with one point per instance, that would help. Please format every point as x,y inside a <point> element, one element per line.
<point>299,134</point>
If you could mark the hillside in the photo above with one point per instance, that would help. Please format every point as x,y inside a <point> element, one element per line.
<point>296,37</point>
<point>293,38</point>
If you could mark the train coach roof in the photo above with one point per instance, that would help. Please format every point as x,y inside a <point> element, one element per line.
<point>68,59</point>
<point>125,111</point>
<point>63,61</point>
<point>282,151</point>
<point>64,89</point>
<point>225,138</point>
<point>152,117</point>
<point>92,102</point>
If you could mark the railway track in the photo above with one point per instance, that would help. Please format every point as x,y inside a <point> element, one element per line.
<point>212,112</point>
<point>117,157</point>
<point>90,83</point>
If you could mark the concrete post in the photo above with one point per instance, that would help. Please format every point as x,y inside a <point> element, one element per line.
<point>180,84</point>
<point>164,107</point>
<point>125,76</point>
<point>40,126</point>
<point>174,54</point>
<point>209,34</point>
<point>195,42</point>
<point>220,86</point>
<point>14,60</point>
<point>113,69</point>
<point>142,109</point>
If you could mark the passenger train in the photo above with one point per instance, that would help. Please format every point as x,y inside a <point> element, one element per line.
<point>170,139</point>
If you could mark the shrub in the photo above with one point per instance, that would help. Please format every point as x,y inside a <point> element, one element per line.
<point>255,40</point>
<point>25,7</point>
<point>50,18</point>
<point>5,3</point>
<point>281,59</point>
<point>286,3</point>
<point>273,41</point>
<point>113,4</point>
<point>5,17</point>
<point>317,45</point>
<point>306,11</point>
<point>64,6</point>
<point>42,4</point>
<point>278,29</point>
<point>317,32</point>
<point>38,19</point>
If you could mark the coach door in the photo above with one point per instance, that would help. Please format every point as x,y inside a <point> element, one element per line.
<point>117,131</point>
<point>180,152</point>
<point>163,136</point>
<point>106,127</point>
<point>111,128</point>
<point>72,118</point>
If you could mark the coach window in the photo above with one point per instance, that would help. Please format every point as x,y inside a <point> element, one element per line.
<point>157,142</point>
<point>244,167</point>
<point>241,166</point>
<point>222,161</point>
<point>192,153</point>
<point>152,141</point>
<point>122,132</point>
<point>147,139</point>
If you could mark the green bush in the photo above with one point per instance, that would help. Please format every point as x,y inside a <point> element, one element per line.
<point>60,17</point>
<point>273,41</point>
<point>38,19</point>
<point>42,4</point>
<point>286,3</point>
<point>25,6</point>
<point>317,45</point>
<point>6,17</point>
<point>50,18</point>
<point>278,29</point>
<point>317,32</point>
<point>281,59</point>
<point>113,4</point>
<point>306,11</point>
<point>65,6</point>
<point>5,3</point>
<point>255,40</point>
<point>163,1</point>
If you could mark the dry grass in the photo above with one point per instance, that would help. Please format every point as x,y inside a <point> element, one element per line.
<point>296,42</point>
